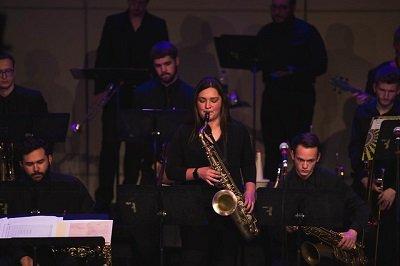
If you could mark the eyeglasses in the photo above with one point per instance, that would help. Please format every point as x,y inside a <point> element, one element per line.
<point>283,7</point>
<point>7,72</point>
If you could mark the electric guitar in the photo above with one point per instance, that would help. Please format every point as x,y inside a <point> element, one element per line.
<point>343,84</point>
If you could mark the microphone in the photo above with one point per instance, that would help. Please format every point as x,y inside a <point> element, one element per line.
<point>284,149</point>
<point>396,133</point>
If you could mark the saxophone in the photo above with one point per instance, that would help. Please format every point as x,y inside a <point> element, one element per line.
<point>312,253</point>
<point>229,200</point>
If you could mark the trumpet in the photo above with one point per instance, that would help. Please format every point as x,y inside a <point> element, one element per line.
<point>76,126</point>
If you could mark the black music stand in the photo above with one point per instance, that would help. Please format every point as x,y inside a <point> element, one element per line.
<point>51,127</point>
<point>240,52</point>
<point>175,205</point>
<point>283,207</point>
<point>54,242</point>
<point>111,75</point>
<point>155,125</point>
<point>388,148</point>
<point>274,206</point>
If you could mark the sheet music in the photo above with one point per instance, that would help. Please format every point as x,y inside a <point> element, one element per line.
<point>52,226</point>
<point>76,228</point>
<point>33,226</point>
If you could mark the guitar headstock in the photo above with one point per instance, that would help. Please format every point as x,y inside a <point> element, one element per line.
<point>339,82</point>
<point>343,84</point>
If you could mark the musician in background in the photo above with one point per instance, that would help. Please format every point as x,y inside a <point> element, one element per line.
<point>292,54</point>
<point>164,92</point>
<point>125,43</point>
<point>387,88</point>
<point>308,175</point>
<point>14,98</point>
<point>187,163</point>
<point>43,192</point>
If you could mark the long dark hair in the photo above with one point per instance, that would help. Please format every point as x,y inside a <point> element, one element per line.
<point>205,83</point>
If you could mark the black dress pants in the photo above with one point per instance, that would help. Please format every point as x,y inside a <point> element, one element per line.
<point>284,114</point>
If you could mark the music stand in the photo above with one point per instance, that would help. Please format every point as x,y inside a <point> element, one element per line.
<point>240,52</point>
<point>54,242</point>
<point>156,125</point>
<point>175,205</point>
<point>111,75</point>
<point>320,207</point>
<point>387,148</point>
<point>51,127</point>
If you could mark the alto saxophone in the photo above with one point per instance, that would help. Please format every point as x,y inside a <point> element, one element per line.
<point>312,253</point>
<point>229,200</point>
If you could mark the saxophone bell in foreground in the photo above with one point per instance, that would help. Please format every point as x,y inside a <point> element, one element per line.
<point>328,248</point>
<point>229,200</point>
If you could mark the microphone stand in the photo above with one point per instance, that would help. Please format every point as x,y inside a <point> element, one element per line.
<point>397,152</point>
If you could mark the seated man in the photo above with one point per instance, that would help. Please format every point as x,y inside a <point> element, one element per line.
<point>308,175</point>
<point>39,191</point>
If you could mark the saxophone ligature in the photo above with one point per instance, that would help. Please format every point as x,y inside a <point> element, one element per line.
<point>229,200</point>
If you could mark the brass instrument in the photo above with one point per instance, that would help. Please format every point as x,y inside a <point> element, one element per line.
<point>312,253</point>
<point>76,126</point>
<point>86,252</point>
<point>7,172</point>
<point>229,200</point>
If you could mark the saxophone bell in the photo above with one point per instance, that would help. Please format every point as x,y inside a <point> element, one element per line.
<point>224,202</point>
<point>312,253</point>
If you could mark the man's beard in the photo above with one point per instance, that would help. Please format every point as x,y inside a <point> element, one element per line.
<point>167,78</point>
<point>38,176</point>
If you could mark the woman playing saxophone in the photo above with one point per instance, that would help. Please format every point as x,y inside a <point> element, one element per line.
<point>188,163</point>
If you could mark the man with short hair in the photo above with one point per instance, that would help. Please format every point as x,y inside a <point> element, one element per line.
<point>292,54</point>
<point>166,91</point>
<point>126,41</point>
<point>387,88</point>
<point>44,192</point>
<point>14,98</point>
<point>308,175</point>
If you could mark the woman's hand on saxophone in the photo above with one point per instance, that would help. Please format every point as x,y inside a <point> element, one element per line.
<point>209,175</point>
<point>348,240</point>
<point>250,196</point>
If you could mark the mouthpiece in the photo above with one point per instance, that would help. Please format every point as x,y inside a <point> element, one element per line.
<point>207,117</point>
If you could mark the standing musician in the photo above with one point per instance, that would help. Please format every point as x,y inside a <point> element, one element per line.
<point>166,92</point>
<point>292,55</point>
<point>391,64</point>
<point>307,174</point>
<point>126,41</point>
<point>218,242</point>
<point>386,87</point>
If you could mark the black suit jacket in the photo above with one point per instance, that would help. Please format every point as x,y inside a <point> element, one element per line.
<point>121,46</point>
<point>23,101</point>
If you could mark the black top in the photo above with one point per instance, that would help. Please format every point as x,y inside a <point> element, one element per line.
<point>122,47</point>
<point>361,124</point>
<point>153,94</point>
<point>295,44</point>
<point>355,213</point>
<point>23,101</point>
<point>186,152</point>
<point>55,194</point>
